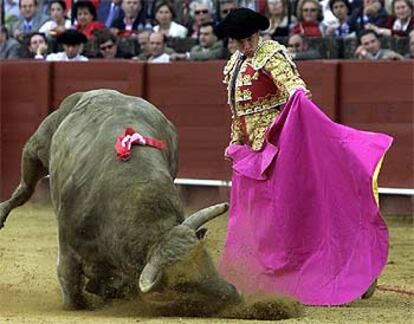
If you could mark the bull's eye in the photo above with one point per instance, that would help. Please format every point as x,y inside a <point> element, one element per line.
<point>201,233</point>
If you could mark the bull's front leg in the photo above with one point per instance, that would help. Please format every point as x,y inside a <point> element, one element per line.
<point>32,170</point>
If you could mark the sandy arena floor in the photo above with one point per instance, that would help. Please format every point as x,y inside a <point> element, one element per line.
<point>29,291</point>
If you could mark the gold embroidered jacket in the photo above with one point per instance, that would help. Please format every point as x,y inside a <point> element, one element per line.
<point>263,83</point>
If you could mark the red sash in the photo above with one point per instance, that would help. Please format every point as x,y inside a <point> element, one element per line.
<point>130,137</point>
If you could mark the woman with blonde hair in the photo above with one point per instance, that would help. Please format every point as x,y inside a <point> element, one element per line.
<point>277,11</point>
<point>309,14</point>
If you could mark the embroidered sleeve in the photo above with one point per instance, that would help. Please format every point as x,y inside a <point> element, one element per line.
<point>284,73</point>
<point>236,131</point>
<point>228,68</point>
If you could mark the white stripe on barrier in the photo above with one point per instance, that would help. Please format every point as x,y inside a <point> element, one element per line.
<point>202,182</point>
<point>222,183</point>
<point>396,191</point>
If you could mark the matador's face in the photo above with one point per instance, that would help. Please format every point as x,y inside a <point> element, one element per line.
<point>247,46</point>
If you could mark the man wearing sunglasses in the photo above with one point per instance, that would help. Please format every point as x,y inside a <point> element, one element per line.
<point>108,46</point>
<point>298,48</point>
<point>225,7</point>
<point>202,11</point>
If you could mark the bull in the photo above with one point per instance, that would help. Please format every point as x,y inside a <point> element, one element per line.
<point>121,225</point>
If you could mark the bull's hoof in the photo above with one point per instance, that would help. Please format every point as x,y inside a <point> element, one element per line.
<point>370,291</point>
<point>77,304</point>
<point>4,212</point>
<point>102,290</point>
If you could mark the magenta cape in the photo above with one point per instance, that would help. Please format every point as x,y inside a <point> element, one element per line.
<point>303,217</point>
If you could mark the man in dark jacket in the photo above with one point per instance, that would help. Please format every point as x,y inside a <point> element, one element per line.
<point>209,47</point>
<point>9,47</point>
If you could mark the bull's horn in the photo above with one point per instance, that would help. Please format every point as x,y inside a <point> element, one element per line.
<point>149,277</point>
<point>204,215</point>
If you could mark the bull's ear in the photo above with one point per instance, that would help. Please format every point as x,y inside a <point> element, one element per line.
<point>149,277</point>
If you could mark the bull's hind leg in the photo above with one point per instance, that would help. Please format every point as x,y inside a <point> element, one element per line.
<point>70,276</point>
<point>32,169</point>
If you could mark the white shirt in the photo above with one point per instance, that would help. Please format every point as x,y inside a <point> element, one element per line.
<point>61,56</point>
<point>51,24</point>
<point>163,58</point>
<point>12,8</point>
<point>329,18</point>
<point>176,30</point>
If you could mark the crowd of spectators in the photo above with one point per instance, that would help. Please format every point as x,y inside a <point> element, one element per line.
<point>162,31</point>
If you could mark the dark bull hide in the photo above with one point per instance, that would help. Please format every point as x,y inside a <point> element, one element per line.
<point>121,224</point>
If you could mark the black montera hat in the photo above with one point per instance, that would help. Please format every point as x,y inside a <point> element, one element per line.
<point>241,23</point>
<point>71,37</point>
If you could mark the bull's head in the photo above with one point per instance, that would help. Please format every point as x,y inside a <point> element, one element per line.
<point>176,245</point>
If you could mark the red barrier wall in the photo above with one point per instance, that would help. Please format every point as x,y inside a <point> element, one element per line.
<point>380,97</point>
<point>69,77</point>
<point>368,95</point>
<point>194,99</point>
<point>25,98</point>
<point>321,78</point>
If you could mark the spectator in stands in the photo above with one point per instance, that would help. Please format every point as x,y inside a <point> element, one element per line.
<point>225,7</point>
<point>58,22</point>
<point>201,11</point>
<point>108,46</point>
<point>256,5</point>
<point>85,13</point>
<point>11,12</point>
<point>209,47</point>
<point>157,43</point>
<point>30,20</point>
<point>182,11</point>
<point>231,47</point>
<point>143,42</point>
<point>410,55</point>
<point>370,48</point>
<point>309,14</point>
<point>388,6</point>
<point>277,13</point>
<point>36,45</point>
<point>298,48</point>
<point>164,16</point>
<point>9,47</point>
<point>149,11</point>
<point>341,10</point>
<point>11,8</point>
<point>372,12</point>
<point>329,18</point>
<point>72,42</point>
<point>133,21</point>
<point>400,23</point>
<point>108,11</point>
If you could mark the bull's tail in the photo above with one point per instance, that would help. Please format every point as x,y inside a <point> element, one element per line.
<point>32,171</point>
<point>35,157</point>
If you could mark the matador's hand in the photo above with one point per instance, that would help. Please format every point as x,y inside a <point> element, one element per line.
<point>226,154</point>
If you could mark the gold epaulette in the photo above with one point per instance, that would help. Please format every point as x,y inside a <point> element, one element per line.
<point>267,49</point>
